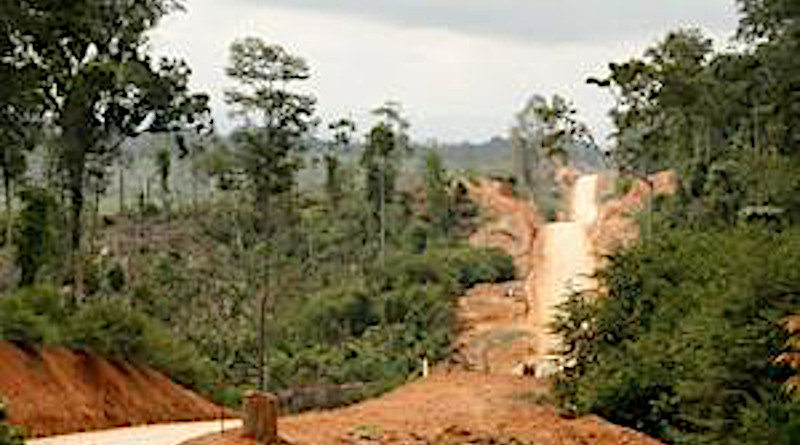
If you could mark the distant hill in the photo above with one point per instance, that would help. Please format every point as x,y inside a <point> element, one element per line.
<point>493,156</point>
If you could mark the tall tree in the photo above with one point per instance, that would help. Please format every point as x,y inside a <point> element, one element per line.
<point>101,86</point>
<point>662,104</point>
<point>343,130</point>
<point>21,105</point>
<point>547,134</point>
<point>526,138</point>
<point>387,142</point>
<point>275,121</point>
<point>275,118</point>
<point>36,226</point>
<point>437,194</point>
<point>769,19</point>
<point>163,160</point>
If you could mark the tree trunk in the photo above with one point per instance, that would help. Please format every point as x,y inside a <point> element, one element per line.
<point>76,231</point>
<point>75,142</point>
<point>194,191</point>
<point>9,209</point>
<point>383,212</point>
<point>122,190</point>
<point>262,342</point>
<point>95,220</point>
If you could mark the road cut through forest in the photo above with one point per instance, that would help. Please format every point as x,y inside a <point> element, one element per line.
<point>478,398</point>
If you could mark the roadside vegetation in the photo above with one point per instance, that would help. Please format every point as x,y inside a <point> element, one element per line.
<point>687,341</point>
<point>353,281</point>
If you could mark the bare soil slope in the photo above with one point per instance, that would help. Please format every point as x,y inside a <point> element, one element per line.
<point>495,330</point>
<point>616,226</point>
<point>511,224</point>
<point>61,391</point>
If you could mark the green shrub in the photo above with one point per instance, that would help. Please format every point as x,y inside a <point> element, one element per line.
<point>116,277</point>
<point>623,184</point>
<point>114,330</point>
<point>471,266</point>
<point>416,237</point>
<point>774,420</point>
<point>35,236</point>
<point>180,360</point>
<point>687,336</point>
<point>31,317</point>
<point>227,396</point>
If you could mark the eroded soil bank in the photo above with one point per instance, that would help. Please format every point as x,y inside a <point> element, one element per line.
<point>58,391</point>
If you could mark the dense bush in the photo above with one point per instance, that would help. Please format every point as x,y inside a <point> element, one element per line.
<point>683,346</point>
<point>378,330</point>
<point>35,232</point>
<point>114,330</point>
<point>31,317</point>
<point>343,301</point>
<point>472,266</point>
<point>36,316</point>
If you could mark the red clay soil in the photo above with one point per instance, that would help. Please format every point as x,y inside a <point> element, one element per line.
<point>615,226</point>
<point>61,391</point>
<point>512,224</point>
<point>436,410</point>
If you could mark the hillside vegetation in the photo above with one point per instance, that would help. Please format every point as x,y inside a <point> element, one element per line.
<point>685,341</point>
<point>183,292</point>
<point>257,281</point>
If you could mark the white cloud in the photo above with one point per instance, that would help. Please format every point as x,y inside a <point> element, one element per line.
<point>453,84</point>
<point>531,20</point>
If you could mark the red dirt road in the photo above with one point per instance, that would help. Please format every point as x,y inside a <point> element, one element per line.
<point>457,407</point>
<point>486,405</point>
<point>432,411</point>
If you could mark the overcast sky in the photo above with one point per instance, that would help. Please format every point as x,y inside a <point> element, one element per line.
<point>461,68</point>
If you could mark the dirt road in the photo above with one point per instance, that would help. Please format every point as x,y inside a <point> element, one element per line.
<point>445,409</point>
<point>169,434</point>
<point>498,330</point>
<point>565,261</point>
<point>471,407</point>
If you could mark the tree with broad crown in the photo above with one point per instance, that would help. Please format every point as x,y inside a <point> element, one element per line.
<point>275,118</point>
<point>101,87</point>
<point>769,19</point>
